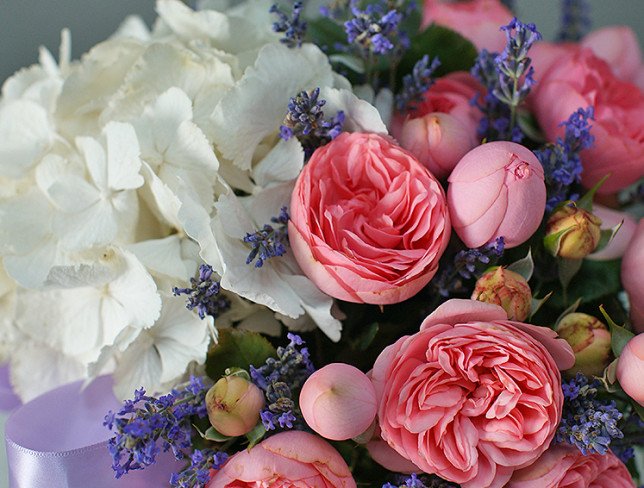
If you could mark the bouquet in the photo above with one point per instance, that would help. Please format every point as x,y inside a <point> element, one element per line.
<point>335,244</point>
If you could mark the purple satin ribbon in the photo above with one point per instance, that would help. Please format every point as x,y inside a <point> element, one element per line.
<point>58,441</point>
<point>8,399</point>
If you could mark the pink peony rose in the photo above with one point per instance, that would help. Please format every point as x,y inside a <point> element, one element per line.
<point>386,457</point>
<point>617,247</point>
<point>443,128</point>
<point>291,458</point>
<point>581,79</point>
<point>477,20</point>
<point>368,221</point>
<point>630,368</point>
<point>619,47</point>
<point>338,401</point>
<point>566,467</point>
<point>633,278</point>
<point>497,189</point>
<point>472,396</point>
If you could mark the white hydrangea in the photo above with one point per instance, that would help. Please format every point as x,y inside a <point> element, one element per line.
<point>120,173</point>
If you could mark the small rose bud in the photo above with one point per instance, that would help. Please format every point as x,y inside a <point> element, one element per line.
<point>338,402</point>
<point>630,368</point>
<point>233,405</point>
<point>580,232</point>
<point>507,289</point>
<point>590,341</point>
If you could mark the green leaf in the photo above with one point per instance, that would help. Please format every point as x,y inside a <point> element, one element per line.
<point>237,349</point>
<point>212,434</point>
<point>256,435</point>
<point>454,51</point>
<point>324,32</point>
<point>586,202</point>
<point>607,235</point>
<point>571,309</point>
<point>552,242</point>
<point>568,268</point>
<point>619,336</point>
<point>365,339</point>
<point>524,266</point>
<point>537,303</point>
<point>530,127</point>
<point>639,409</point>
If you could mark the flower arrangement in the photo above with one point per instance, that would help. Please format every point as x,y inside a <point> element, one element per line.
<point>361,243</point>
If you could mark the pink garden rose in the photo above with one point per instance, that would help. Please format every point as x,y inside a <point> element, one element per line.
<point>368,221</point>
<point>633,278</point>
<point>566,467</point>
<point>497,189</point>
<point>472,396</point>
<point>581,79</point>
<point>477,20</point>
<point>630,368</point>
<point>338,401</point>
<point>443,128</point>
<point>386,457</point>
<point>619,47</point>
<point>292,458</point>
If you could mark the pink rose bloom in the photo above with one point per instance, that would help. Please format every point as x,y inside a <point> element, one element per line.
<point>566,467</point>
<point>338,401</point>
<point>581,80</point>
<point>368,221</point>
<point>633,278</point>
<point>610,218</point>
<point>386,457</point>
<point>497,189</point>
<point>477,20</point>
<point>443,128</point>
<point>291,458</point>
<point>545,54</point>
<point>630,368</point>
<point>619,47</point>
<point>472,396</point>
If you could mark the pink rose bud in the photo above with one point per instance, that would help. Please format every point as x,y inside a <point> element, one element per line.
<point>233,405</point>
<point>619,47</point>
<point>618,245</point>
<point>630,369</point>
<point>580,232</point>
<point>507,289</point>
<point>496,190</point>
<point>476,20</point>
<point>369,223</point>
<point>633,278</point>
<point>590,341</point>
<point>338,402</point>
<point>443,128</point>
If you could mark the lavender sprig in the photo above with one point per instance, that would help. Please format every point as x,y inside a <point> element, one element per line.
<point>269,241</point>
<point>587,422</point>
<point>197,475</point>
<point>508,78</point>
<point>203,295</point>
<point>279,379</point>
<point>465,265</point>
<point>561,161</point>
<point>374,29</point>
<point>423,481</point>
<point>293,27</point>
<point>305,120</point>
<point>146,425</point>
<point>575,20</point>
<point>416,84</point>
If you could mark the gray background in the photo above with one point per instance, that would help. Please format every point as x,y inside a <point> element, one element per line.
<point>27,24</point>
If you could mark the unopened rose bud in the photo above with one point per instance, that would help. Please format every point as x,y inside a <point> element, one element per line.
<point>579,232</point>
<point>338,401</point>
<point>630,368</point>
<point>233,405</point>
<point>507,289</point>
<point>590,341</point>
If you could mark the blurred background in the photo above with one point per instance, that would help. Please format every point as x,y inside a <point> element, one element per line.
<point>27,24</point>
